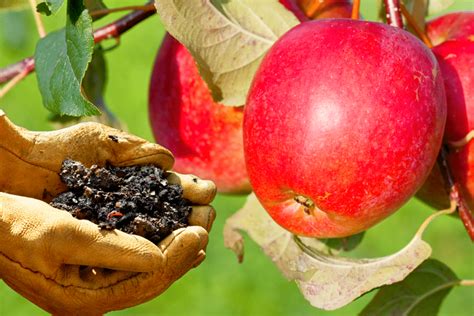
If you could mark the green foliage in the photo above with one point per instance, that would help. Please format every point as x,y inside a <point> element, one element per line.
<point>241,32</point>
<point>421,293</point>
<point>50,7</point>
<point>62,59</point>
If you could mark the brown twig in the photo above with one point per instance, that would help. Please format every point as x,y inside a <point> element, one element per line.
<point>411,21</point>
<point>112,30</point>
<point>146,7</point>
<point>455,193</point>
<point>394,16</point>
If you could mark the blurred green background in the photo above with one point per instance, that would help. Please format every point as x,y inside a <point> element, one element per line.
<point>220,286</point>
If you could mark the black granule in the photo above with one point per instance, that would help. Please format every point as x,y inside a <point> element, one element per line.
<point>137,199</point>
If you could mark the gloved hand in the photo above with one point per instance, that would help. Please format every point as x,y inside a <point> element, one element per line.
<point>70,266</point>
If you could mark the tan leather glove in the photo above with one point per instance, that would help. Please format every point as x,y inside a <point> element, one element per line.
<point>70,266</point>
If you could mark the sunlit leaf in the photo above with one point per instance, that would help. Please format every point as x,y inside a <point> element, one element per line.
<point>227,38</point>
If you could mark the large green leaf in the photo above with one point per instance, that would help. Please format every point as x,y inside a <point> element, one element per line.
<point>62,59</point>
<point>227,38</point>
<point>421,293</point>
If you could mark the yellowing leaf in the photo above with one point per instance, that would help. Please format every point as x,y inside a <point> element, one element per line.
<point>326,281</point>
<point>227,38</point>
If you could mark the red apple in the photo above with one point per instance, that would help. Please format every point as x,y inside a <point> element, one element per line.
<point>458,25</point>
<point>204,136</point>
<point>342,125</point>
<point>456,59</point>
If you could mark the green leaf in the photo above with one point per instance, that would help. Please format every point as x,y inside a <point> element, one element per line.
<point>421,293</point>
<point>95,79</point>
<point>326,281</point>
<point>61,61</point>
<point>49,7</point>
<point>13,4</point>
<point>227,38</point>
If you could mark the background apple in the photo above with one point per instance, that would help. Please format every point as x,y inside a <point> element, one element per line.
<point>456,58</point>
<point>457,25</point>
<point>333,147</point>
<point>204,136</point>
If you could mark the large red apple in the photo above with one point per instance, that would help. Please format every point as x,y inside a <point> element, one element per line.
<point>343,124</point>
<point>204,136</point>
<point>456,58</point>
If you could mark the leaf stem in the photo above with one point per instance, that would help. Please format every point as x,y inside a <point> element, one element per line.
<point>393,13</point>
<point>38,21</point>
<point>466,283</point>
<point>463,141</point>
<point>112,30</point>
<point>411,22</point>
<point>355,10</point>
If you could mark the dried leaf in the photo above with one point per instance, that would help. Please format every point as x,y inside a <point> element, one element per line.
<point>421,293</point>
<point>227,38</point>
<point>326,281</point>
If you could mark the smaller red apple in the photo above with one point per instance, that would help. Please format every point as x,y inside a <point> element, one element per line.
<point>452,26</point>
<point>456,58</point>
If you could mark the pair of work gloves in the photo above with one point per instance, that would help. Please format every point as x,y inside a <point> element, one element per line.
<point>69,266</point>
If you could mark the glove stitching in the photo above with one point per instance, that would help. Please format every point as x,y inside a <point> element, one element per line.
<point>27,162</point>
<point>70,286</point>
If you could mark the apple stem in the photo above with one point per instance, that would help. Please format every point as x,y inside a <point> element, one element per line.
<point>355,10</point>
<point>455,195</point>
<point>112,30</point>
<point>309,7</point>
<point>393,13</point>
<point>411,22</point>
